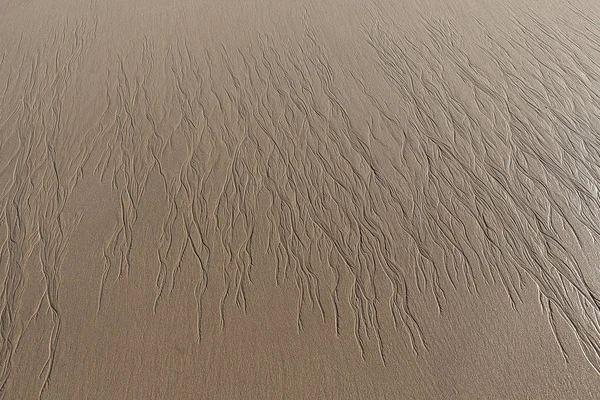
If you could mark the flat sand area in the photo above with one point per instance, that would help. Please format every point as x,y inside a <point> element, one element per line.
<point>261,199</point>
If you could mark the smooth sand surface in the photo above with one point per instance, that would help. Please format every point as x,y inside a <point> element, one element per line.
<point>260,199</point>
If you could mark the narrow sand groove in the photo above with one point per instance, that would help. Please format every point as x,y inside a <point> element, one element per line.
<point>45,170</point>
<point>128,154</point>
<point>181,203</point>
<point>532,194</point>
<point>185,189</point>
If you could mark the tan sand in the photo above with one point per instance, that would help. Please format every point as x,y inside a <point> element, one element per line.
<point>299,199</point>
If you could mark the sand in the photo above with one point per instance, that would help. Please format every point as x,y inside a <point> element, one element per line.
<point>265,199</point>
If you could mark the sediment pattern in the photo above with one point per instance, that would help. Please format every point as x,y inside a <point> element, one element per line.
<point>472,170</point>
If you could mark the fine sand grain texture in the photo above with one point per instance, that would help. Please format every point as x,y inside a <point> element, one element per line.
<point>260,199</point>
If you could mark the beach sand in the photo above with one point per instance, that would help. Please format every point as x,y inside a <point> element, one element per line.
<point>299,199</point>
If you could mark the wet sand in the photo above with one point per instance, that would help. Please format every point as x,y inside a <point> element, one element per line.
<point>299,200</point>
